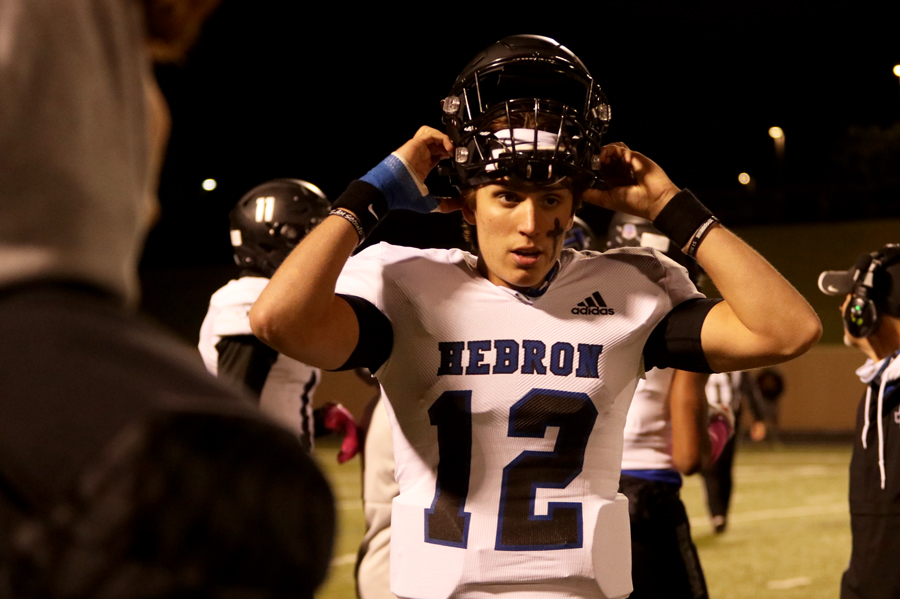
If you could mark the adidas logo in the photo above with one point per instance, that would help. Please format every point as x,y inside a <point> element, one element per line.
<point>594,305</point>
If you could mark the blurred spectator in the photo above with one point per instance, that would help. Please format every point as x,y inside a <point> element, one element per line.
<point>83,128</point>
<point>197,505</point>
<point>770,384</point>
<point>729,391</point>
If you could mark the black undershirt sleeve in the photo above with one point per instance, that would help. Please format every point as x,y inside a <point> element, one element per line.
<point>675,342</point>
<point>245,360</point>
<point>376,335</point>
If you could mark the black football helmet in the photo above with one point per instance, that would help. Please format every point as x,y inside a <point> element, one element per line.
<point>626,230</point>
<point>271,219</point>
<point>580,236</point>
<point>525,107</point>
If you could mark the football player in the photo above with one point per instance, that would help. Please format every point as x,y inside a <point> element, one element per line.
<point>668,433</point>
<point>509,372</point>
<point>266,224</point>
<point>380,486</point>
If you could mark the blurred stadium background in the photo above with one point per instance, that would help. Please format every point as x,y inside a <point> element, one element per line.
<point>276,89</point>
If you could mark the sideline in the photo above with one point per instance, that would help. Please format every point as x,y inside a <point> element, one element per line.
<point>776,514</point>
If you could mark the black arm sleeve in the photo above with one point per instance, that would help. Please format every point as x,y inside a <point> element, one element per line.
<point>376,335</point>
<point>675,342</point>
<point>245,360</point>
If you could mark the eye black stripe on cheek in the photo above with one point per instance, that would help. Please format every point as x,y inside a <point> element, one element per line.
<point>556,234</point>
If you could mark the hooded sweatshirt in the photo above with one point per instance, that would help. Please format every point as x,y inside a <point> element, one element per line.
<point>75,180</point>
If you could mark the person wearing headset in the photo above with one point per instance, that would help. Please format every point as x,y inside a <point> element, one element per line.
<point>871,312</point>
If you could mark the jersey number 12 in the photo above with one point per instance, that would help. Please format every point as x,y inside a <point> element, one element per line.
<point>518,527</point>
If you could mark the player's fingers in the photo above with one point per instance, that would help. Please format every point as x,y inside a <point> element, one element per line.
<point>613,152</point>
<point>438,142</point>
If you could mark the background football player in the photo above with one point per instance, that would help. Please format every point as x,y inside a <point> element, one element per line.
<point>507,405</point>
<point>668,433</point>
<point>266,224</point>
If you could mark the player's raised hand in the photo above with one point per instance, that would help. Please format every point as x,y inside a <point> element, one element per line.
<point>426,148</point>
<point>637,185</point>
<point>401,176</point>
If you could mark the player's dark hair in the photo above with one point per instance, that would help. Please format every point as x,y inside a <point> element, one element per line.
<point>187,505</point>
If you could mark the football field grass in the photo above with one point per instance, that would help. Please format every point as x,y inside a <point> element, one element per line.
<point>788,535</point>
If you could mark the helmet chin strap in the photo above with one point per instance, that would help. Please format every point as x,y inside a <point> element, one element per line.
<point>545,284</point>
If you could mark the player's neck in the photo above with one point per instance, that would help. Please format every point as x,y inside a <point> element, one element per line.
<point>535,291</point>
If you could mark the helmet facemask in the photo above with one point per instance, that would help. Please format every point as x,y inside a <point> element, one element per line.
<point>533,113</point>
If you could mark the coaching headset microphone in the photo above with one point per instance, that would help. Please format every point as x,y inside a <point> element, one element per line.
<point>861,315</point>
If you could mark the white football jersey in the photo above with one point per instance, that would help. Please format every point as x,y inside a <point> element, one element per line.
<point>507,414</point>
<point>288,392</point>
<point>648,427</point>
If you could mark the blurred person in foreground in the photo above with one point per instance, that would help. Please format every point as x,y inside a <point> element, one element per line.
<point>83,129</point>
<point>168,512</point>
<point>871,315</point>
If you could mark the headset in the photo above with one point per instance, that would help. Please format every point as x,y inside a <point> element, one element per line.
<point>862,314</point>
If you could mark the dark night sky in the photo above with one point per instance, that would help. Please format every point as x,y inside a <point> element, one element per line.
<point>270,91</point>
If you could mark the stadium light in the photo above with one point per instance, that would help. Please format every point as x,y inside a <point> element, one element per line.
<point>777,135</point>
<point>897,70</point>
<point>209,184</point>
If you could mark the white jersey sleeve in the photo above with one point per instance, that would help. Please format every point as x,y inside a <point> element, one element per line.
<point>363,276</point>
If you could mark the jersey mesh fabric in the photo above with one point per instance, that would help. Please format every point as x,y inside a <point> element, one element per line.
<point>532,371</point>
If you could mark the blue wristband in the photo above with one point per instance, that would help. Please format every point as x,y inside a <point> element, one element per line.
<point>398,186</point>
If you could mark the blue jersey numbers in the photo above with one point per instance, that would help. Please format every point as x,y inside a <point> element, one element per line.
<point>446,523</point>
<point>519,527</point>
